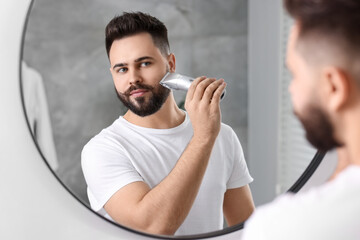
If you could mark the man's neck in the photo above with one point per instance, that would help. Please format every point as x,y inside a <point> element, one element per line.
<point>168,116</point>
<point>350,130</point>
<point>349,134</point>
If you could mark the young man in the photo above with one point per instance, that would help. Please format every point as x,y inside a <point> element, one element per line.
<point>157,168</point>
<point>324,58</point>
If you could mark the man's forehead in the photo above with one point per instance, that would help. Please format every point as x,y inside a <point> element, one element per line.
<point>133,47</point>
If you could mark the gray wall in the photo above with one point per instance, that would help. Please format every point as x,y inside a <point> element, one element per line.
<point>264,97</point>
<point>65,43</point>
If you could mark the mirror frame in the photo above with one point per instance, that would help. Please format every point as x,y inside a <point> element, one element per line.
<point>301,181</point>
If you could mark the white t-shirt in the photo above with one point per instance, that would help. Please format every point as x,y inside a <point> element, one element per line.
<point>331,211</point>
<point>124,153</point>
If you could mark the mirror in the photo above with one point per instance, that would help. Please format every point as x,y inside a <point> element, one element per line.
<point>68,90</point>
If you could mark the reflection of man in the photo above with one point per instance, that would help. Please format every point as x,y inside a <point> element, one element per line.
<point>157,168</point>
<point>324,58</point>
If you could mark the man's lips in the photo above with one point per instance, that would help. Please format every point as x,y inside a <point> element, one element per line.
<point>138,92</point>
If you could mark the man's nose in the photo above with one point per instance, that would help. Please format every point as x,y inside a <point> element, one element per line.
<point>135,77</point>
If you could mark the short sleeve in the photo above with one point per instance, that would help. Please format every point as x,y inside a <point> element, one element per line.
<point>106,169</point>
<point>240,175</point>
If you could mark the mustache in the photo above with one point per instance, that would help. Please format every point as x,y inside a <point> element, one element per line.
<point>137,86</point>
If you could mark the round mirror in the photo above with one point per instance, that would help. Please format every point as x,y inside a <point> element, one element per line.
<point>69,95</point>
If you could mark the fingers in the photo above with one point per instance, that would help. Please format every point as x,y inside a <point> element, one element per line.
<point>218,92</point>
<point>205,88</point>
<point>213,91</point>
<point>191,90</point>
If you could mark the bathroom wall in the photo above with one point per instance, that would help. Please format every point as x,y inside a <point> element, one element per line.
<point>65,43</point>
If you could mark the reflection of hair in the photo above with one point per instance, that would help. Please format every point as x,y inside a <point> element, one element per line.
<point>335,19</point>
<point>137,22</point>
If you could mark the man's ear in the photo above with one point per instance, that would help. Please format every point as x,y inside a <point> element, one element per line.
<point>172,62</point>
<point>336,87</point>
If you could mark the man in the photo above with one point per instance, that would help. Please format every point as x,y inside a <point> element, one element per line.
<point>157,168</point>
<point>324,58</point>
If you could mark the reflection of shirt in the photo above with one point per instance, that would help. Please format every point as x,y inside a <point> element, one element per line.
<point>38,114</point>
<point>125,153</point>
<point>331,211</point>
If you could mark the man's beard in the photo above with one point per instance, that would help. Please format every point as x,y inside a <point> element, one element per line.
<point>144,107</point>
<point>318,128</point>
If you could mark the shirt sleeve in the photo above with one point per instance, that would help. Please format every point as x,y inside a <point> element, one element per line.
<point>106,169</point>
<point>240,175</point>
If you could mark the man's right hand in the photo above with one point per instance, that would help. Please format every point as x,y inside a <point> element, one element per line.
<point>203,106</point>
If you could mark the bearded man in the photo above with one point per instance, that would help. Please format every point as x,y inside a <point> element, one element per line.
<point>324,58</point>
<point>158,168</point>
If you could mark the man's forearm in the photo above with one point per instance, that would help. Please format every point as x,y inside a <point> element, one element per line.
<point>166,206</point>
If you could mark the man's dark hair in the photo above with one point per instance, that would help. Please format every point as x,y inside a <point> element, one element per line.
<point>338,20</point>
<point>130,23</point>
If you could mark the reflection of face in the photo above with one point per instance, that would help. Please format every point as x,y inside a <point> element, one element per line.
<point>137,66</point>
<point>305,99</point>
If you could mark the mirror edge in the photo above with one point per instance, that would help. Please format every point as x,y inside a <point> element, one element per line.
<point>309,171</point>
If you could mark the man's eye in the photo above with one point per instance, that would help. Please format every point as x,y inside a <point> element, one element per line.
<point>144,64</point>
<point>122,70</point>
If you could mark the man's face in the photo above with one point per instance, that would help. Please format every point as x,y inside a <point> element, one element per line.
<point>306,99</point>
<point>137,66</point>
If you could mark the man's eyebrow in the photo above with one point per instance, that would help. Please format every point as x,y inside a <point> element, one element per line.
<point>144,58</point>
<point>136,60</point>
<point>119,65</point>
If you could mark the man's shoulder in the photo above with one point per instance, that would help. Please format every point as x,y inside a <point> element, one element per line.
<point>339,196</point>
<point>326,195</point>
<point>226,129</point>
<point>111,131</point>
<point>106,138</point>
<point>309,215</point>
<point>105,148</point>
<point>227,135</point>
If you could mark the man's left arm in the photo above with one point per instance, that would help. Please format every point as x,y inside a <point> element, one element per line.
<point>238,205</point>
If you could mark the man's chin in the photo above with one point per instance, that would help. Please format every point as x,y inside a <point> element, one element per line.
<point>138,101</point>
<point>320,133</point>
<point>142,113</point>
